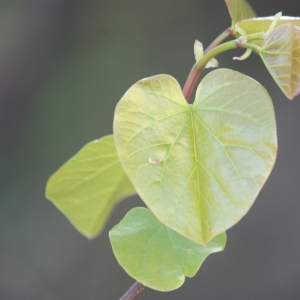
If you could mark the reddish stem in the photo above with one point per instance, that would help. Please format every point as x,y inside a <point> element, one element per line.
<point>134,291</point>
<point>195,72</point>
<point>137,288</point>
<point>190,82</point>
<point>225,34</point>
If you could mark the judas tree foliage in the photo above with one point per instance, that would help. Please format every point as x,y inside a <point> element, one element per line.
<point>198,167</point>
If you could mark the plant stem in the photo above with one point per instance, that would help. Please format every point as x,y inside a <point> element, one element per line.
<point>253,47</point>
<point>134,291</point>
<point>213,50</point>
<point>195,73</point>
<point>198,66</point>
<point>190,82</point>
<point>225,34</point>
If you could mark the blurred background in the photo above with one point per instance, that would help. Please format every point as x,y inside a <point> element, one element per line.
<point>64,64</point>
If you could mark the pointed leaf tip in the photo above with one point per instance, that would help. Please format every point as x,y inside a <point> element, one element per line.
<point>198,50</point>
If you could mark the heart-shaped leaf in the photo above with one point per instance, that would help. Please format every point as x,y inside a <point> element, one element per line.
<point>88,186</point>
<point>155,255</point>
<point>281,54</point>
<point>198,168</point>
<point>239,10</point>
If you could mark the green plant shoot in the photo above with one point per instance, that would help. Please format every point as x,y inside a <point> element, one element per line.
<point>198,167</point>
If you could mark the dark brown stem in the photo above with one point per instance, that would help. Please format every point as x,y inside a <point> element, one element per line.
<point>134,291</point>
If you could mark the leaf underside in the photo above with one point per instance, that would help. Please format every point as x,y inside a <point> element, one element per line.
<point>155,255</point>
<point>88,186</point>
<point>211,158</point>
<point>281,55</point>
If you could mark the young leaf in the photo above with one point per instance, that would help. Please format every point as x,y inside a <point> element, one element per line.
<point>198,52</point>
<point>239,10</point>
<point>88,186</point>
<point>262,24</point>
<point>213,157</point>
<point>281,55</point>
<point>155,255</point>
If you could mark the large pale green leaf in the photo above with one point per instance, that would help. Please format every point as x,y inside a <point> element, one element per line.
<point>281,55</point>
<point>198,167</point>
<point>88,186</point>
<point>239,10</point>
<point>155,255</point>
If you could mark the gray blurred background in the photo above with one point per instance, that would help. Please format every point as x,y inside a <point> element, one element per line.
<point>64,64</point>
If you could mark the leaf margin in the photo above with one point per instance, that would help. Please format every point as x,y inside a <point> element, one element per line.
<point>216,245</point>
<point>51,191</point>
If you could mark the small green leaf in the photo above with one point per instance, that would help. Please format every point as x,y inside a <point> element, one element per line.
<point>88,186</point>
<point>281,54</point>
<point>239,10</point>
<point>155,255</point>
<point>211,158</point>
<point>262,24</point>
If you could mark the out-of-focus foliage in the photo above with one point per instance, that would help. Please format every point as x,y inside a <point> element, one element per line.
<point>88,186</point>
<point>239,10</point>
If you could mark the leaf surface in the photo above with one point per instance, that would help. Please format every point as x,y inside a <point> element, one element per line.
<point>88,186</point>
<point>239,10</point>
<point>263,23</point>
<point>155,255</point>
<point>197,167</point>
<point>281,55</point>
